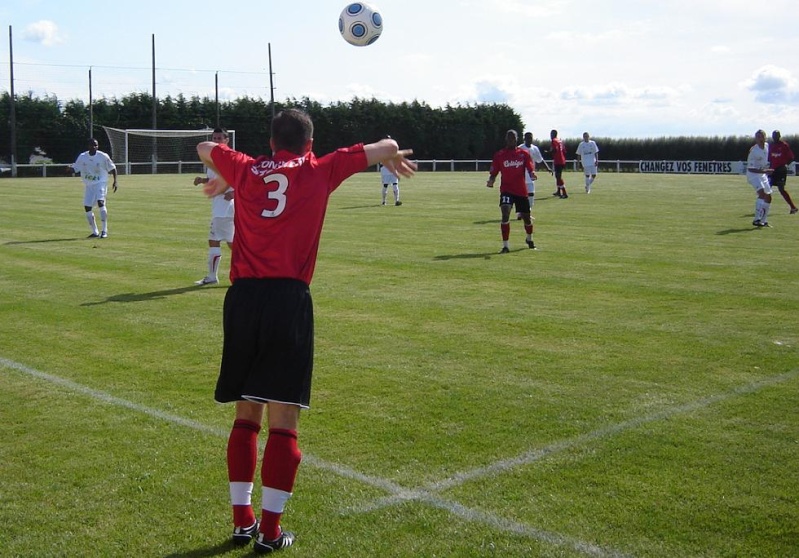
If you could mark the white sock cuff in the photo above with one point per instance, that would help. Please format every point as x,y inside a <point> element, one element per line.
<point>274,500</point>
<point>241,493</point>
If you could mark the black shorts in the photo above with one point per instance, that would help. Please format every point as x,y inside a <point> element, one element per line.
<point>267,354</point>
<point>777,178</point>
<point>522,203</point>
<point>559,171</point>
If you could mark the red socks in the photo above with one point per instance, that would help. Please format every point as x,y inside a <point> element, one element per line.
<point>279,470</point>
<point>242,457</point>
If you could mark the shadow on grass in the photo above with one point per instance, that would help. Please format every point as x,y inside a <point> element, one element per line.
<point>217,550</point>
<point>484,255</point>
<point>139,297</point>
<point>735,231</point>
<point>361,206</point>
<point>13,242</point>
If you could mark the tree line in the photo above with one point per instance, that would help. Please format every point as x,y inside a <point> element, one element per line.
<point>61,128</point>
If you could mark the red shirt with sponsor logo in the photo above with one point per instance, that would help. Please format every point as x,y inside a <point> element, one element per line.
<point>779,154</point>
<point>512,163</point>
<point>280,207</point>
<point>558,152</point>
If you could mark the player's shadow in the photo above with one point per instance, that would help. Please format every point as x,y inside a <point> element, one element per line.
<point>484,255</point>
<point>210,552</point>
<point>735,231</point>
<point>12,242</point>
<point>361,206</point>
<point>140,297</point>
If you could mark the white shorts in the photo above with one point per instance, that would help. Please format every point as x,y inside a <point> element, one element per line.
<point>759,182</point>
<point>530,188</point>
<point>222,229</point>
<point>590,170</point>
<point>92,193</point>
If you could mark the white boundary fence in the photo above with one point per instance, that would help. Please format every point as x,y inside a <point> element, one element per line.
<point>437,165</point>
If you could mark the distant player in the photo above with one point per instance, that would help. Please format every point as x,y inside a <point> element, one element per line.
<point>757,171</point>
<point>780,156</point>
<point>94,167</point>
<point>559,162</point>
<point>388,178</point>
<point>589,159</point>
<point>512,163</point>
<point>222,211</point>
<point>535,155</point>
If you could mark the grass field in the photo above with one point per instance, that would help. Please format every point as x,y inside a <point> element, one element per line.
<point>629,389</point>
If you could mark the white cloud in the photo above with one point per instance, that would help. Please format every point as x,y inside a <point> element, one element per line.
<point>44,32</point>
<point>773,85</point>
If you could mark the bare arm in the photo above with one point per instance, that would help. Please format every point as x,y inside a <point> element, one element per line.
<point>217,185</point>
<point>388,153</point>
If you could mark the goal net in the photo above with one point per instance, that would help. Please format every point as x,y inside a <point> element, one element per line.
<point>153,151</point>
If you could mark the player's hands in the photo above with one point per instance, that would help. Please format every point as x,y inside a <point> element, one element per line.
<point>199,180</point>
<point>400,165</point>
<point>114,186</point>
<point>214,187</point>
<point>489,183</point>
<point>534,176</point>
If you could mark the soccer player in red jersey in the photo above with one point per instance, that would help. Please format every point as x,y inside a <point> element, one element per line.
<point>513,163</point>
<point>559,162</point>
<point>780,156</point>
<point>267,353</point>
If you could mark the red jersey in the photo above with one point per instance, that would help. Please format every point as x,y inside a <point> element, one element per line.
<point>512,164</point>
<point>280,208</point>
<point>558,152</point>
<point>779,154</point>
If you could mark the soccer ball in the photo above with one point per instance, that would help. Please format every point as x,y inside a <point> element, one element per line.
<point>360,24</point>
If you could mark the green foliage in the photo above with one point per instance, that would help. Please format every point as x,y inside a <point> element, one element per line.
<point>629,389</point>
<point>454,132</point>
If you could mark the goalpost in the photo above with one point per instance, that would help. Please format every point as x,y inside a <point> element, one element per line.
<point>143,151</point>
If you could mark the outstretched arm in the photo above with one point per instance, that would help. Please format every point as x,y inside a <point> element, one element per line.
<point>388,153</point>
<point>217,185</point>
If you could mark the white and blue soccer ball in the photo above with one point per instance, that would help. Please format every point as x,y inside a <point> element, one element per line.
<point>360,24</point>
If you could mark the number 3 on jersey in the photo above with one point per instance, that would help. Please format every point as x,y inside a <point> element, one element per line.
<point>279,194</point>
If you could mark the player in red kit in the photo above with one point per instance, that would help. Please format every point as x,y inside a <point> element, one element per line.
<point>558,150</point>
<point>513,163</point>
<point>780,156</point>
<point>267,352</point>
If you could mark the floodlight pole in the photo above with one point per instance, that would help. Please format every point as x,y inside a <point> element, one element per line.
<point>216,96</point>
<point>155,113</point>
<point>13,108</point>
<point>271,85</point>
<point>91,106</point>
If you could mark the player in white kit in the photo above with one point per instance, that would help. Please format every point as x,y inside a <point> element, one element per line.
<point>757,171</point>
<point>94,167</point>
<point>222,212</point>
<point>589,158</point>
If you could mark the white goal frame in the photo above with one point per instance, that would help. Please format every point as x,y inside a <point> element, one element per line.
<point>122,139</point>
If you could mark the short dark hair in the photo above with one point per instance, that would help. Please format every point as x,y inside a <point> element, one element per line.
<point>220,131</point>
<point>291,130</point>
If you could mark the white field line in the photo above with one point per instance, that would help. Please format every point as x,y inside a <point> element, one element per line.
<point>399,494</point>
<point>538,454</point>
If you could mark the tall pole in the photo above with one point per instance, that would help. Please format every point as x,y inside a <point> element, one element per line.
<point>91,106</point>
<point>271,85</point>
<point>216,89</point>
<point>13,108</point>
<point>155,114</point>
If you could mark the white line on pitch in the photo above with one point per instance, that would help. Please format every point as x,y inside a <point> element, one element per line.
<point>398,492</point>
<point>537,454</point>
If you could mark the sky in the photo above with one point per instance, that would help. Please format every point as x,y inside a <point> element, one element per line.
<point>614,68</point>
